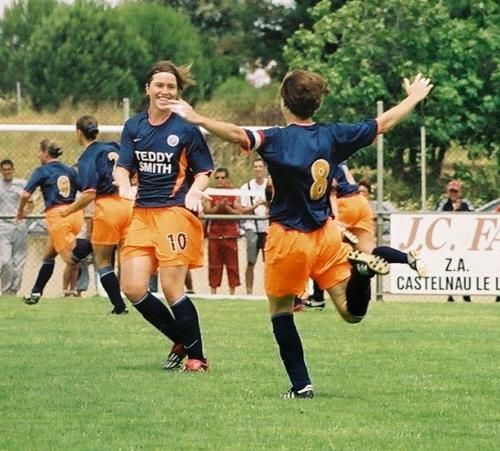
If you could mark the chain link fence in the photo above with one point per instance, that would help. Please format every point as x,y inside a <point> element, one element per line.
<point>20,145</point>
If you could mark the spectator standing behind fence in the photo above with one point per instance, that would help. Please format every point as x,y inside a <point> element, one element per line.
<point>455,202</point>
<point>222,236</point>
<point>13,235</point>
<point>255,229</point>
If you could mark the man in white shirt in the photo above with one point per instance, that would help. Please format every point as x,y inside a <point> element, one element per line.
<point>255,229</point>
<point>13,235</point>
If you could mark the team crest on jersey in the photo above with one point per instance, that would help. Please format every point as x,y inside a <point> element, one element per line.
<point>172,140</point>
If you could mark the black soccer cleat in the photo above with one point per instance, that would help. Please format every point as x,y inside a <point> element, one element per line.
<point>312,304</point>
<point>32,299</point>
<point>368,264</point>
<point>124,311</point>
<point>175,357</point>
<point>304,393</point>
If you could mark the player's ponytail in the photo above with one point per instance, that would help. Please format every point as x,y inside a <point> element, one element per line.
<point>88,126</point>
<point>52,148</point>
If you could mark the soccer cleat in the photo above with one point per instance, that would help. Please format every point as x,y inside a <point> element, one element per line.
<point>298,304</point>
<point>417,263</point>
<point>175,357</point>
<point>349,237</point>
<point>304,393</point>
<point>119,312</point>
<point>368,264</point>
<point>313,304</point>
<point>195,366</point>
<point>32,298</point>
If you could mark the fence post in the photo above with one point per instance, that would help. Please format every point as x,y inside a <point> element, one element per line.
<point>380,197</point>
<point>18,96</point>
<point>126,109</point>
<point>423,169</point>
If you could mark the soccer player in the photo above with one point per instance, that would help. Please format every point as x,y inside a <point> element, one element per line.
<point>112,213</point>
<point>355,216</point>
<point>58,183</point>
<point>174,164</point>
<point>303,240</point>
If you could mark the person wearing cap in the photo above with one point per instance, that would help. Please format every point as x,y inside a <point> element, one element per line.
<point>455,202</point>
<point>58,183</point>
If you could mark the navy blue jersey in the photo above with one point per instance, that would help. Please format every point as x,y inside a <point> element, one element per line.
<point>57,181</point>
<point>95,168</point>
<point>301,160</point>
<point>343,187</point>
<point>167,157</point>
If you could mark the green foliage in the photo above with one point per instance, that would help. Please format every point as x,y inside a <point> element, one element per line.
<point>168,34</point>
<point>92,62</point>
<point>365,48</point>
<point>16,27</point>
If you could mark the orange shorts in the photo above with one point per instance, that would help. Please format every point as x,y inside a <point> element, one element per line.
<point>354,212</point>
<point>111,219</point>
<point>172,236</point>
<point>292,257</point>
<point>63,231</point>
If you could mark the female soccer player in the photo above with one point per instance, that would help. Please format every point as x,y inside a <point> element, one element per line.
<point>174,165</point>
<point>355,216</point>
<point>59,185</point>
<point>112,213</point>
<point>303,241</point>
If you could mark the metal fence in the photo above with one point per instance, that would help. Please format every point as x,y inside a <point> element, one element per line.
<point>19,143</point>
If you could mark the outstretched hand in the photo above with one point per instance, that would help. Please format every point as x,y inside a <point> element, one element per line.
<point>184,110</point>
<point>419,88</point>
<point>194,200</point>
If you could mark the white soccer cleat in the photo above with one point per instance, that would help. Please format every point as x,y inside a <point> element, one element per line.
<point>417,263</point>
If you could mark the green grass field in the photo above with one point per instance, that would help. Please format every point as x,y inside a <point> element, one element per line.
<point>411,376</point>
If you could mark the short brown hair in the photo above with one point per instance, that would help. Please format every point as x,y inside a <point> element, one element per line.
<point>182,73</point>
<point>302,92</point>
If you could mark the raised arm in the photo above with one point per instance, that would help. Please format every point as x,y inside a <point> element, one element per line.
<point>224,130</point>
<point>416,92</point>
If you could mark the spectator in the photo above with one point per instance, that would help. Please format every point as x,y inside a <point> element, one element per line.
<point>13,236</point>
<point>255,229</point>
<point>222,236</point>
<point>455,202</point>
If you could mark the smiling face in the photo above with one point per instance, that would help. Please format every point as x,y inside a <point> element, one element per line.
<point>161,89</point>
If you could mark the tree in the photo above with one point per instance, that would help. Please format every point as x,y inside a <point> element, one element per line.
<point>246,30</point>
<point>84,52</point>
<point>169,34</point>
<point>365,48</point>
<point>18,24</point>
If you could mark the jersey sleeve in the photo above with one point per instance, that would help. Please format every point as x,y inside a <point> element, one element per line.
<point>351,137</point>
<point>256,140</point>
<point>200,159</point>
<point>34,181</point>
<point>126,157</point>
<point>88,176</point>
